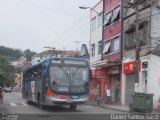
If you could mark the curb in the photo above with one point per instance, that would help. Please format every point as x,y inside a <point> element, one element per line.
<point>116,109</point>
<point>105,107</point>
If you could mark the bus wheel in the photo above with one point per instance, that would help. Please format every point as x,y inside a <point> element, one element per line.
<point>73,107</point>
<point>27,99</point>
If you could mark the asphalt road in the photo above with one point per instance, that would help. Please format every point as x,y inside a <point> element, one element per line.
<point>15,106</point>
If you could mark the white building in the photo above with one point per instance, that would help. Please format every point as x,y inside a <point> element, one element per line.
<point>96,33</point>
<point>149,63</point>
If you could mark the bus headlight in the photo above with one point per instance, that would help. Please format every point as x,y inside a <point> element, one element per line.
<point>56,96</point>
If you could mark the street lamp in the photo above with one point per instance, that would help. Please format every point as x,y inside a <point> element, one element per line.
<point>83,7</point>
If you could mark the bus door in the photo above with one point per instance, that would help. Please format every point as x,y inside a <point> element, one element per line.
<point>45,79</point>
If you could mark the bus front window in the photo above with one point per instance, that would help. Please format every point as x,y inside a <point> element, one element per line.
<point>69,79</point>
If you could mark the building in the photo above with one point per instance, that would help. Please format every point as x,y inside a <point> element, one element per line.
<point>84,52</point>
<point>96,47</point>
<point>149,41</point>
<point>19,64</point>
<point>105,58</point>
<point>43,55</point>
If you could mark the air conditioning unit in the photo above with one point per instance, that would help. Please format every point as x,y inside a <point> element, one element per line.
<point>145,65</point>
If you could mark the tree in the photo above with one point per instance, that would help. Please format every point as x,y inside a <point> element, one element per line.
<point>29,54</point>
<point>11,54</point>
<point>7,71</point>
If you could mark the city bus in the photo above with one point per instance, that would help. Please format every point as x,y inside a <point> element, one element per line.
<point>57,81</point>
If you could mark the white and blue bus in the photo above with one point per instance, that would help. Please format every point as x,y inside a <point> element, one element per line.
<point>57,81</point>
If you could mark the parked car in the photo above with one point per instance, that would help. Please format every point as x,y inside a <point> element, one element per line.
<point>8,89</point>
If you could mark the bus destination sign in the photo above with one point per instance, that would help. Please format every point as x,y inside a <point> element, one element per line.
<point>74,62</point>
<point>56,61</point>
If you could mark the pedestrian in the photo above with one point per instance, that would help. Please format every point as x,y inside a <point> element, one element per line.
<point>108,96</point>
<point>91,97</point>
<point>99,101</point>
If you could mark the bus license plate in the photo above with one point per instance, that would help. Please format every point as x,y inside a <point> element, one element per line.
<point>75,97</point>
<point>69,101</point>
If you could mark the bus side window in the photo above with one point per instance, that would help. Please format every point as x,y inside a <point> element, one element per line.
<point>39,72</point>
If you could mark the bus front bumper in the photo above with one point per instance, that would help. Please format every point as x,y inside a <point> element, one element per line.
<point>57,101</point>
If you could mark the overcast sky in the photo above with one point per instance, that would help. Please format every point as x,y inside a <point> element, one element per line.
<point>33,24</point>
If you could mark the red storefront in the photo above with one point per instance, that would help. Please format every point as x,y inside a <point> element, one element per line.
<point>99,77</point>
<point>107,77</point>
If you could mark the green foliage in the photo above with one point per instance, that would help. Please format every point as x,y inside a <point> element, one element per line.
<point>15,54</point>
<point>9,53</point>
<point>29,54</point>
<point>7,71</point>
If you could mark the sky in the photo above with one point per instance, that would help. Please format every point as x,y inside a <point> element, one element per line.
<point>35,24</point>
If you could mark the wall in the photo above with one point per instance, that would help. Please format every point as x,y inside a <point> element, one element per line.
<point>112,30</point>
<point>153,79</point>
<point>155,23</point>
<point>154,76</point>
<point>110,4</point>
<point>96,35</point>
<point>143,16</point>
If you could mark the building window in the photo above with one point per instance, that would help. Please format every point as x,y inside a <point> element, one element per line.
<point>112,16</point>
<point>107,19</point>
<point>141,37</point>
<point>100,19</point>
<point>116,44</point>
<point>131,37</point>
<point>93,50</point>
<point>116,14</point>
<point>107,47</point>
<point>93,23</point>
<point>100,47</point>
<point>112,45</point>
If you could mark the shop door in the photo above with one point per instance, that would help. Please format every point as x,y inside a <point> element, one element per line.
<point>130,85</point>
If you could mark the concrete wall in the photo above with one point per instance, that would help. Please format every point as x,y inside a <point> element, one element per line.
<point>143,16</point>
<point>153,85</point>
<point>155,24</point>
<point>96,35</point>
<point>153,79</point>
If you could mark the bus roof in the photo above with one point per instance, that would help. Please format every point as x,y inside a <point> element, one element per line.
<point>54,57</point>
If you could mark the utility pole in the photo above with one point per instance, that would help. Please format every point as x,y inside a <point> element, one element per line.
<point>77,42</point>
<point>137,47</point>
<point>137,42</point>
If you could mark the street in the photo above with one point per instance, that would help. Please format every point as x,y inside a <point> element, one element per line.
<point>16,105</point>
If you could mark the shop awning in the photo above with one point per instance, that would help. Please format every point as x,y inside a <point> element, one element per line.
<point>107,18</point>
<point>106,47</point>
<point>115,13</point>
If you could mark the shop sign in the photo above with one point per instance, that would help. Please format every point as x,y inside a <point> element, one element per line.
<point>98,72</point>
<point>130,67</point>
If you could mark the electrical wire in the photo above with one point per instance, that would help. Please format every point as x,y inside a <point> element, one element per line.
<point>67,31</point>
<point>51,9</point>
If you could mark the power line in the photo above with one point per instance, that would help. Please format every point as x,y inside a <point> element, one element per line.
<point>51,9</point>
<point>67,31</point>
<point>132,23</point>
<point>79,29</point>
<point>72,33</point>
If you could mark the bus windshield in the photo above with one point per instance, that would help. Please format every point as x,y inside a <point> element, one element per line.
<point>69,79</point>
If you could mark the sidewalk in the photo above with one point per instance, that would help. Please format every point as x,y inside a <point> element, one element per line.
<point>118,107</point>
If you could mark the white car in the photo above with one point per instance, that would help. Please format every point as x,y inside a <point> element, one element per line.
<point>8,89</point>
